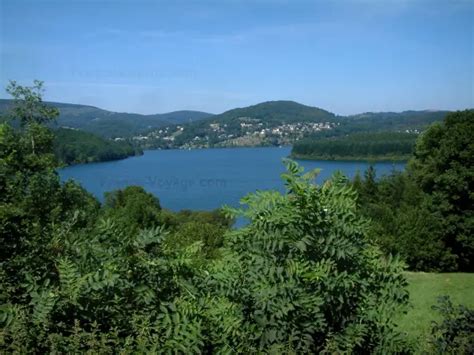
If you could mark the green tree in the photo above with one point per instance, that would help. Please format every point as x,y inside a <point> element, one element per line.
<point>133,208</point>
<point>32,199</point>
<point>29,109</point>
<point>403,222</point>
<point>443,166</point>
<point>357,182</point>
<point>369,187</point>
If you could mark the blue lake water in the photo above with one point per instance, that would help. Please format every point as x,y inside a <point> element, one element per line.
<point>204,179</point>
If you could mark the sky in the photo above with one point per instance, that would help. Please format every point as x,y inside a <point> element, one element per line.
<point>148,56</point>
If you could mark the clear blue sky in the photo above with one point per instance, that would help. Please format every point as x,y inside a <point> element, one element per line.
<point>156,56</point>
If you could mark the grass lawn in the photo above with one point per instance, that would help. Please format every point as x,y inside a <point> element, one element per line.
<point>424,290</point>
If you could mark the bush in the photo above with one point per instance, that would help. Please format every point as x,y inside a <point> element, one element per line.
<point>133,208</point>
<point>303,277</point>
<point>455,333</point>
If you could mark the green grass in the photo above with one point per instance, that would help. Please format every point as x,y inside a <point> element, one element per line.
<point>424,290</point>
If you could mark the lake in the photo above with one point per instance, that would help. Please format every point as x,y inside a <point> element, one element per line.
<point>207,178</point>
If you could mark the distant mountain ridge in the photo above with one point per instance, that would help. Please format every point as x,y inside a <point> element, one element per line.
<point>279,123</point>
<point>392,114</point>
<point>274,123</point>
<point>114,124</point>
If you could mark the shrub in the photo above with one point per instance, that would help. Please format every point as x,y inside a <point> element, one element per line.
<point>454,334</point>
<point>303,277</point>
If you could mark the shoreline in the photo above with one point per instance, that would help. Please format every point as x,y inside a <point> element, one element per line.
<point>399,159</point>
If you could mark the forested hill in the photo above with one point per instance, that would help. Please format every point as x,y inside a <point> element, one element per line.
<point>276,112</point>
<point>72,146</point>
<point>110,124</point>
<point>368,136</point>
<point>388,121</point>
<point>264,124</point>
<point>366,146</point>
<point>282,123</point>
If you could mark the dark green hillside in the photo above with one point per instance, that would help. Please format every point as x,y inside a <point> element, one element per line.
<point>72,146</point>
<point>277,112</point>
<point>183,116</point>
<point>413,121</point>
<point>114,124</point>
<point>374,146</point>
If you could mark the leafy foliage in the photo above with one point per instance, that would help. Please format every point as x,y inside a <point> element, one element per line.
<point>304,276</point>
<point>455,333</point>
<point>403,222</point>
<point>133,208</point>
<point>28,106</point>
<point>443,167</point>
